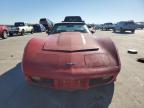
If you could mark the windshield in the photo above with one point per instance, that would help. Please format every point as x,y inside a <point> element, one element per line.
<point>108,23</point>
<point>70,27</point>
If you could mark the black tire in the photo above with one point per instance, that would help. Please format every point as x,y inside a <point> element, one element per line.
<point>141,60</point>
<point>114,30</point>
<point>22,32</point>
<point>121,30</point>
<point>133,31</point>
<point>4,35</point>
<point>32,31</point>
<point>11,34</point>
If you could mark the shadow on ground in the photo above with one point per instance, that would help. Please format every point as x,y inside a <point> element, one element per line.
<point>16,93</point>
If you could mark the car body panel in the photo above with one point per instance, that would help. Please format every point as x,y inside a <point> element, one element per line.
<point>69,41</point>
<point>48,24</point>
<point>39,28</point>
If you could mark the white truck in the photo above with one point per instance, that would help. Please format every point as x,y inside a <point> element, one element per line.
<point>20,28</point>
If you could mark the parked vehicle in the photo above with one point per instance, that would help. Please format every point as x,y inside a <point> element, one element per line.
<point>39,28</point>
<point>100,26</point>
<point>48,24</point>
<point>70,58</point>
<point>107,26</point>
<point>97,26</point>
<point>140,25</point>
<point>125,26</point>
<point>20,28</point>
<point>73,19</point>
<point>3,31</point>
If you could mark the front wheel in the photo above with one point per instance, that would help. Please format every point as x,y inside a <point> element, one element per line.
<point>121,30</point>
<point>10,34</point>
<point>32,31</point>
<point>22,32</point>
<point>133,31</point>
<point>114,30</point>
<point>4,35</point>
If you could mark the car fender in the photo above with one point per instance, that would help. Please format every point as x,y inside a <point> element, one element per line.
<point>32,47</point>
<point>110,47</point>
<point>29,28</point>
<point>20,29</point>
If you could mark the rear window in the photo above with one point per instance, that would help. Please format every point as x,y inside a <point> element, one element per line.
<point>108,23</point>
<point>129,23</point>
<point>19,24</point>
<point>73,19</point>
<point>42,19</point>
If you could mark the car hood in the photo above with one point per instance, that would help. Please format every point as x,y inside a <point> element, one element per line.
<point>71,41</point>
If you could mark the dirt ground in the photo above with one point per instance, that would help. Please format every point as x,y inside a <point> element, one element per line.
<point>126,92</point>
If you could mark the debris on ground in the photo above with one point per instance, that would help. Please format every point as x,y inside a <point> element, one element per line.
<point>140,60</point>
<point>132,51</point>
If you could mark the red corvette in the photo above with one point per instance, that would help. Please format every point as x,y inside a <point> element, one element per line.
<point>71,58</point>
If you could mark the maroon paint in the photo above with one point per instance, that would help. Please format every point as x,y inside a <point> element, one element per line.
<point>2,29</point>
<point>71,60</point>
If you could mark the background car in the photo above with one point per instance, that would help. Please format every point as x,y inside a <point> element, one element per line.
<point>91,27</point>
<point>140,25</point>
<point>70,58</point>
<point>48,24</point>
<point>125,26</point>
<point>3,31</point>
<point>39,28</point>
<point>20,28</point>
<point>107,26</point>
<point>97,26</point>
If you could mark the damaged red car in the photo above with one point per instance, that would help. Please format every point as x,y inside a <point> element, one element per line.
<point>3,31</point>
<point>71,58</point>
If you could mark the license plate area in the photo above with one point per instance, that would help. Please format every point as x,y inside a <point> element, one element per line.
<point>71,84</point>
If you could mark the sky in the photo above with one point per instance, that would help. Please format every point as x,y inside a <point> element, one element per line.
<point>92,11</point>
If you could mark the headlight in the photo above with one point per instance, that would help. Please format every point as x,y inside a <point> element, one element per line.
<point>36,78</point>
